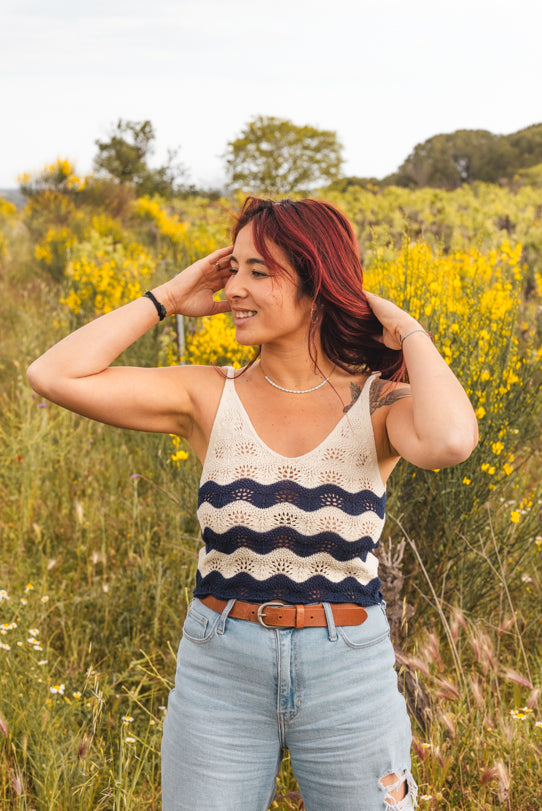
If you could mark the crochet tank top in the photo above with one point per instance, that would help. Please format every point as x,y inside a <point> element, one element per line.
<point>301,529</point>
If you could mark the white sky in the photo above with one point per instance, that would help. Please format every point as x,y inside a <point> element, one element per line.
<point>384,74</point>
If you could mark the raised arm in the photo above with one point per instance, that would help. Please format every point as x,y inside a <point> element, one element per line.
<point>436,426</point>
<point>77,374</point>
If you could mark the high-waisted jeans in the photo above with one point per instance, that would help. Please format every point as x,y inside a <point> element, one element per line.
<point>244,693</point>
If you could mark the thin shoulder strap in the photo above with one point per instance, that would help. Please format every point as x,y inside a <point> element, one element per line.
<point>359,413</point>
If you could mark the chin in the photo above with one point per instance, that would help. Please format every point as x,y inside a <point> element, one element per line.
<point>246,342</point>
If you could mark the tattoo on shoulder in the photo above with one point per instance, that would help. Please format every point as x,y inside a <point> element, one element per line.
<point>355,392</point>
<point>381,395</point>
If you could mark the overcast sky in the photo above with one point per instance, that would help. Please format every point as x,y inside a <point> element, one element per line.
<point>384,74</point>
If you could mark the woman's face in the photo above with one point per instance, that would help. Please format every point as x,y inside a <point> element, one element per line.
<point>266,306</point>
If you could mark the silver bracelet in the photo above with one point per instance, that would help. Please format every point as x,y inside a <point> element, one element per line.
<point>412,331</point>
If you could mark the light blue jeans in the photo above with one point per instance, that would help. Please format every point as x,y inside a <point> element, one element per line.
<point>244,693</point>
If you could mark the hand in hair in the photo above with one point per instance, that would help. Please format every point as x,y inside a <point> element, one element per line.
<point>192,291</point>
<point>396,322</point>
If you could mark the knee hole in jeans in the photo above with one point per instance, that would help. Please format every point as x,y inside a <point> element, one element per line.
<point>401,791</point>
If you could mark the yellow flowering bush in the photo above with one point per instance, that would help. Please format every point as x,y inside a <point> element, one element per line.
<point>7,214</point>
<point>7,211</point>
<point>105,226</point>
<point>471,302</point>
<point>214,343</point>
<point>182,241</point>
<point>59,175</point>
<point>103,275</point>
<point>168,229</point>
<point>479,215</point>
<point>53,249</point>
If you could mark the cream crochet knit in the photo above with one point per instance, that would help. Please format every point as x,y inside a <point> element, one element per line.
<point>301,529</point>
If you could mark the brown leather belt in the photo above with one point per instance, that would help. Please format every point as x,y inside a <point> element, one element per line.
<point>275,614</point>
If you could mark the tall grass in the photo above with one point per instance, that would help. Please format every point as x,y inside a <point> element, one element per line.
<point>99,540</point>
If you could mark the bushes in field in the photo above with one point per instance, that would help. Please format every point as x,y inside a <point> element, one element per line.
<point>98,525</point>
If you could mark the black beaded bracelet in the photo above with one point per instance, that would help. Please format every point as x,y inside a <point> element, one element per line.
<point>160,309</point>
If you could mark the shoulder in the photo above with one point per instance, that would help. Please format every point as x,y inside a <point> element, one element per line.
<point>202,382</point>
<point>384,393</point>
<point>204,386</point>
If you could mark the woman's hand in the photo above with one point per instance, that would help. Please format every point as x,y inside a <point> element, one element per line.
<point>436,426</point>
<point>192,291</point>
<point>396,322</point>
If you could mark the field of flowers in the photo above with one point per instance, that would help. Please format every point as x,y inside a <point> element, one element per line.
<point>97,525</point>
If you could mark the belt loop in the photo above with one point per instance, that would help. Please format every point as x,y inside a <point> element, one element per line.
<point>300,616</point>
<point>224,616</point>
<point>332,630</point>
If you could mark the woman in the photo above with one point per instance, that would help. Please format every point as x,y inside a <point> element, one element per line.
<point>286,643</point>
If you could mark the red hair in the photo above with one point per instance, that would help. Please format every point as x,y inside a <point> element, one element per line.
<point>320,244</point>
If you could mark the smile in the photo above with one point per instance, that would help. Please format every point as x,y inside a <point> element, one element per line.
<point>242,315</point>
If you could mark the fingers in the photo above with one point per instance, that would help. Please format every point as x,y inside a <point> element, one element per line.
<point>215,255</point>
<point>220,258</point>
<point>220,307</point>
<point>375,301</point>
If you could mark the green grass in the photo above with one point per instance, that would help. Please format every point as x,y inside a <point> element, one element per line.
<point>99,546</point>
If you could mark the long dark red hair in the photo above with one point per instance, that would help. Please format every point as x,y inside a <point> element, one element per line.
<point>320,245</point>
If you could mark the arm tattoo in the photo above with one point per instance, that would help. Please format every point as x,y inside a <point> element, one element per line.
<point>355,391</point>
<point>377,398</point>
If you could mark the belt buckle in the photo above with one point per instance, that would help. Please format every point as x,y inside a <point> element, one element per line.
<point>261,613</point>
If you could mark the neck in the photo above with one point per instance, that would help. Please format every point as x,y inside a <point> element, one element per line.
<point>294,369</point>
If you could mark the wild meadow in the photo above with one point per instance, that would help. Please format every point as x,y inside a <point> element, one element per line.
<point>98,535</point>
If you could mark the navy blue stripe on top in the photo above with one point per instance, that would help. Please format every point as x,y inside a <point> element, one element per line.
<point>308,499</point>
<point>285,537</point>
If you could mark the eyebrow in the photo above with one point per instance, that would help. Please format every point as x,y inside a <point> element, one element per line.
<point>253,261</point>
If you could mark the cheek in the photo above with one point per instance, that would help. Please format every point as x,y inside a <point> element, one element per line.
<point>271,297</point>
<point>276,299</point>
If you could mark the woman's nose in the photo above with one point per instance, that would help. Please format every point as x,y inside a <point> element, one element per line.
<point>234,287</point>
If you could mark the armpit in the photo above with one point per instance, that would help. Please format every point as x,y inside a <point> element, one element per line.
<point>384,393</point>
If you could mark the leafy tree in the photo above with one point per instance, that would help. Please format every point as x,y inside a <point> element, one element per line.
<point>274,156</point>
<point>343,184</point>
<point>527,145</point>
<point>124,156</point>
<point>451,159</point>
<point>448,160</point>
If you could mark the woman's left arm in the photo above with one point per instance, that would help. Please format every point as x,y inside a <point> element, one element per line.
<point>435,427</point>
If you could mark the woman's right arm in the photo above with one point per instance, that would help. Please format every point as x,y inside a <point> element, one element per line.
<point>77,374</point>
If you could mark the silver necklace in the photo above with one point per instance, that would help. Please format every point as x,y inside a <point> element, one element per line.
<point>297,391</point>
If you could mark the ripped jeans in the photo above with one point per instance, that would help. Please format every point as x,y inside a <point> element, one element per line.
<point>244,693</point>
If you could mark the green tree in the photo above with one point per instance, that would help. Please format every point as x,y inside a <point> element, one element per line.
<point>124,156</point>
<point>451,159</point>
<point>527,145</point>
<point>274,156</point>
